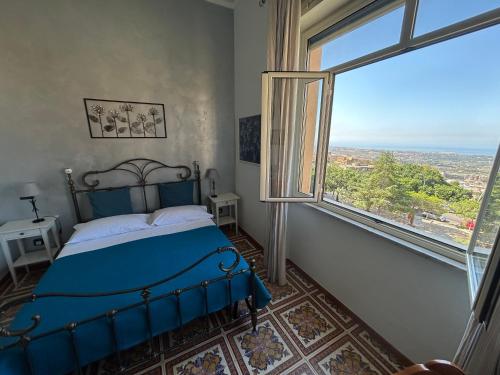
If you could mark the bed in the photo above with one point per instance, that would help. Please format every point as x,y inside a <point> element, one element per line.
<point>104,295</point>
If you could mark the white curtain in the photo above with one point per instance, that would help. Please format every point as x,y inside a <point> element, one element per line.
<point>282,55</point>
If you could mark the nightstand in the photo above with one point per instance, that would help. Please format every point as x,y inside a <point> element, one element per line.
<point>225,200</point>
<point>20,229</point>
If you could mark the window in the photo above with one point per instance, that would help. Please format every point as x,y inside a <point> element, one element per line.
<point>486,232</point>
<point>413,137</point>
<point>412,130</point>
<point>357,39</point>
<point>294,117</point>
<point>436,14</point>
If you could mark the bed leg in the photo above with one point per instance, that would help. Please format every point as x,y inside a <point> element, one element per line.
<point>145,296</point>
<point>235,311</point>
<point>253,289</point>
<point>112,324</point>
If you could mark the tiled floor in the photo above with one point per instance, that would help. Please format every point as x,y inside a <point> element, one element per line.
<point>304,330</point>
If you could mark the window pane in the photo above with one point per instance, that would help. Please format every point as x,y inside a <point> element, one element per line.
<point>487,232</point>
<point>435,14</point>
<point>413,137</point>
<point>374,34</point>
<point>295,108</point>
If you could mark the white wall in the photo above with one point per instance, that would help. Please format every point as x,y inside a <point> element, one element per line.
<point>417,304</point>
<point>250,32</point>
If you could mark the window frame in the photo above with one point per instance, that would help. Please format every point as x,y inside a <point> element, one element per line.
<point>473,282</point>
<point>324,123</point>
<point>350,16</point>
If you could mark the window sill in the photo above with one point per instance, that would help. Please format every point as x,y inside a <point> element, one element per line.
<point>417,249</point>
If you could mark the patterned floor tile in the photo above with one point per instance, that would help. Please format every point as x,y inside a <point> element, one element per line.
<point>243,245</point>
<point>308,325</point>
<point>302,369</point>
<point>346,356</point>
<point>304,280</point>
<point>228,324</point>
<point>335,308</point>
<point>26,281</point>
<point>391,359</point>
<point>212,358</point>
<point>157,370</point>
<point>266,351</point>
<point>192,333</point>
<point>283,295</point>
<point>136,359</point>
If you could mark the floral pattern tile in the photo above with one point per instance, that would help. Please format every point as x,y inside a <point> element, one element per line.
<point>336,309</point>
<point>283,295</point>
<point>266,351</point>
<point>391,359</point>
<point>212,358</point>
<point>308,325</point>
<point>346,357</point>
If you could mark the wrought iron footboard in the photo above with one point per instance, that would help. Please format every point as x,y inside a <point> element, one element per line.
<point>24,338</point>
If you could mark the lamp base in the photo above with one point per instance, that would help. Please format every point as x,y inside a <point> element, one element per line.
<point>38,220</point>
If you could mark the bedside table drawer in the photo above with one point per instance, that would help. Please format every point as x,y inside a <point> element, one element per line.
<point>226,203</point>
<point>22,234</point>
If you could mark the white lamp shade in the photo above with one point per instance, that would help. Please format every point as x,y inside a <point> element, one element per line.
<point>212,174</point>
<point>29,189</point>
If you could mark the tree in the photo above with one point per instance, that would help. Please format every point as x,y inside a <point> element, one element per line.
<point>452,192</point>
<point>341,182</point>
<point>424,202</point>
<point>467,208</point>
<point>384,185</point>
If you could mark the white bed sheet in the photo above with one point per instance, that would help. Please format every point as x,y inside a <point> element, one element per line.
<point>82,247</point>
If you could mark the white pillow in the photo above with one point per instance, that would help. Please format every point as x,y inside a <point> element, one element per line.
<point>179,214</point>
<point>109,226</point>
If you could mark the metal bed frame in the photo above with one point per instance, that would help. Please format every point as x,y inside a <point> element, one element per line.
<point>141,169</point>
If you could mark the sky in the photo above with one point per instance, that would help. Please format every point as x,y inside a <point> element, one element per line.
<point>442,97</point>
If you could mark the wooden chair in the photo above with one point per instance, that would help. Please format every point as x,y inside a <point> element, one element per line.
<point>435,367</point>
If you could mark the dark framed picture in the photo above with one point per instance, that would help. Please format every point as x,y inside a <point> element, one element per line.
<point>250,139</point>
<point>125,119</point>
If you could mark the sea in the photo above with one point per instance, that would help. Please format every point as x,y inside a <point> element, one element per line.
<point>486,151</point>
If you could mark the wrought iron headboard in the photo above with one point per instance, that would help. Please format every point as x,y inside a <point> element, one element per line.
<point>141,168</point>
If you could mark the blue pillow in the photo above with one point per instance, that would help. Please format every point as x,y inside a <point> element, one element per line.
<point>176,193</point>
<point>110,202</point>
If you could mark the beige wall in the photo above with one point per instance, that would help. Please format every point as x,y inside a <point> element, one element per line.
<point>250,28</point>
<point>56,52</point>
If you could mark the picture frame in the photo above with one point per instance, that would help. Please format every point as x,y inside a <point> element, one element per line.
<point>249,139</point>
<point>119,119</point>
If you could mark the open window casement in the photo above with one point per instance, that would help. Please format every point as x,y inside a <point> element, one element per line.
<point>294,135</point>
<point>485,236</point>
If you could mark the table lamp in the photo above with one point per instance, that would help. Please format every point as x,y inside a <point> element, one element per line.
<point>29,191</point>
<point>212,175</point>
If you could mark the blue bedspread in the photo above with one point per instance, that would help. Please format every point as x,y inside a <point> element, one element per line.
<point>120,267</point>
